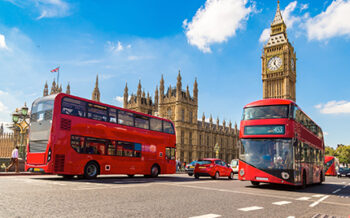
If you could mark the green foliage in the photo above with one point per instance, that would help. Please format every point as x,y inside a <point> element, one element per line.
<point>329,151</point>
<point>343,154</point>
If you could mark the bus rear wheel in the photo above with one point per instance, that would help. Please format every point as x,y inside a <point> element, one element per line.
<point>91,170</point>
<point>154,171</point>
<point>255,183</point>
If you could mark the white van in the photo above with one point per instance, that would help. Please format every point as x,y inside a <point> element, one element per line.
<point>234,165</point>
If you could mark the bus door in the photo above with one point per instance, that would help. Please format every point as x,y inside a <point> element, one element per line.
<point>170,160</point>
<point>297,160</point>
<point>311,165</point>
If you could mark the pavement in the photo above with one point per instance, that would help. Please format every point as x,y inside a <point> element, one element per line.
<point>18,174</point>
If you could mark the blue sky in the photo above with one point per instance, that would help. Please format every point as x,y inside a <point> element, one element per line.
<point>219,42</point>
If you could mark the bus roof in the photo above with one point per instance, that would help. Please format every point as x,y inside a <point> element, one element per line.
<point>271,101</point>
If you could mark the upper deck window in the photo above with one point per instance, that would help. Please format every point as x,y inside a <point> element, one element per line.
<point>265,112</point>
<point>73,107</point>
<point>168,127</point>
<point>141,121</point>
<point>97,112</point>
<point>125,118</point>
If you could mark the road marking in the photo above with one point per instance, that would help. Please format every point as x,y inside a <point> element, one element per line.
<point>303,199</point>
<point>246,209</point>
<point>281,203</point>
<point>290,216</point>
<point>317,196</point>
<point>207,216</point>
<point>336,191</point>
<point>318,201</point>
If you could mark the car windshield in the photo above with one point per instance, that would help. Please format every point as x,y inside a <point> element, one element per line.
<point>265,112</point>
<point>268,153</point>
<point>193,163</point>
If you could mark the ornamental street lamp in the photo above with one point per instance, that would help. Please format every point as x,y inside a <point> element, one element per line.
<point>217,150</point>
<point>20,120</point>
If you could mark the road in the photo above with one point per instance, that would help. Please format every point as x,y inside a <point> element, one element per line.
<point>168,196</point>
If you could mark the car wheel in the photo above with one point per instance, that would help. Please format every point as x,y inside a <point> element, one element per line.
<point>154,171</point>
<point>190,174</point>
<point>255,183</point>
<point>216,176</point>
<point>91,170</point>
<point>196,176</point>
<point>231,176</point>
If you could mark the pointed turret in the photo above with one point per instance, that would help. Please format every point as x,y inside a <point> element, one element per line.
<point>161,88</point>
<point>187,92</point>
<point>224,124</point>
<point>2,129</point>
<point>178,87</point>
<point>278,16</point>
<point>203,119</point>
<point>230,125</point>
<point>60,89</point>
<point>46,90</point>
<point>96,92</point>
<point>195,90</point>
<point>53,87</point>
<point>68,89</point>
<point>217,122</point>
<point>126,96</point>
<point>156,97</point>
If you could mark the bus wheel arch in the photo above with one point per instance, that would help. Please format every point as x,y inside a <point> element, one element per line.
<point>91,170</point>
<point>155,170</point>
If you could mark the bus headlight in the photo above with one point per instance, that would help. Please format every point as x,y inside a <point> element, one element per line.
<point>285,175</point>
<point>241,172</point>
<point>49,155</point>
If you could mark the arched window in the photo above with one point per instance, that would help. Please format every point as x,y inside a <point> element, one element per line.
<point>169,112</point>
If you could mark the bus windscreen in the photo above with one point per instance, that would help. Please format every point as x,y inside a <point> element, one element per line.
<point>265,112</point>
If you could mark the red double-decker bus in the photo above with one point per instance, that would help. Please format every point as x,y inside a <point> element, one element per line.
<point>331,165</point>
<point>280,144</point>
<point>75,136</point>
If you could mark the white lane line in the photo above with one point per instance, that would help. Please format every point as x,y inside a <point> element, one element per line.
<point>318,201</point>
<point>281,203</point>
<point>317,196</point>
<point>336,191</point>
<point>290,216</point>
<point>207,216</point>
<point>303,199</point>
<point>246,209</point>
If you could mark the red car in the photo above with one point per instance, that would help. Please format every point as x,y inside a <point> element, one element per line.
<point>212,167</point>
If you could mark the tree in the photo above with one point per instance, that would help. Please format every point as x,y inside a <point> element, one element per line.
<point>329,151</point>
<point>343,154</point>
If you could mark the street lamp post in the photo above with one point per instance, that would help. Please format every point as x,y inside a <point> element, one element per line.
<point>20,120</point>
<point>217,150</point>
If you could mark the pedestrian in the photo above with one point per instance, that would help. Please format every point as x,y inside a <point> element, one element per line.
<point>14,160</point>
<point>177,165</point>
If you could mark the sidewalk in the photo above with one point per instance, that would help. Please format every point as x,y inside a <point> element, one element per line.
<point>19,174</point>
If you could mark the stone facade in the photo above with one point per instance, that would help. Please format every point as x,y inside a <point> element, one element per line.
<point>278,62</point>
<point>194,139</point>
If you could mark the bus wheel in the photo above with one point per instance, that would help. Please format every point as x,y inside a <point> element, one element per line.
<point>154,171</point>
<point>216,176</point>
<point>131,175</point>
<point>91,170</point>
<point>231,176</point>
<point>196,176</point>
<point>255,183</point>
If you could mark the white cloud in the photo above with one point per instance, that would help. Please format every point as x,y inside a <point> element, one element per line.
<point>330,23</point>
<point>304,7</point>
<point>265,35</point>
<point>47,8</point>
<point>216,22</point>
<point>116,47</point>
<point>120,100</point>
<point>2,42</point>
<point>3,108</point>
<point>334,107</point>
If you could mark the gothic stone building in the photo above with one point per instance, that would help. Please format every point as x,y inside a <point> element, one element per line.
<point>194,139</point>
<point>278,62</point>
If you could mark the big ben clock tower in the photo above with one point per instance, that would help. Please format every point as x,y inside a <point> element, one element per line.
<point>278,62</point>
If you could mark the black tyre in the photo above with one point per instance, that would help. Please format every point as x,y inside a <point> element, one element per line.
<point>154,171</point>
<point>216,176</point>
<point>255,183</point>
<point>190,174</point>
<point>91,170</point>
<point>231,176</point>
<point>131,175</point>
<point>196,176</point>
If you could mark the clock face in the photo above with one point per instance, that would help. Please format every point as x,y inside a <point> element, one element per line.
<point>274,63</point>
<point>292,63</point>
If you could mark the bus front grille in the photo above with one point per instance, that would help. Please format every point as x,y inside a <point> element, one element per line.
<point>59,162</point>
<point>38,146</point>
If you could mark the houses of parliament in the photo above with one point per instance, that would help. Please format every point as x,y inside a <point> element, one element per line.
<point>198,138</point>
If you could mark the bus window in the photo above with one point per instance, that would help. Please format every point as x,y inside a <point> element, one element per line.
<point>73,107</point>
<point>266,112</point>
<point>95,146</point>
<point>137,150</point>
<point>125,118</point>
<point>111,148</point>
<point>170,153</point>
<point>156,124</point>
<point>112,115</point>
<point>97,112</point>
<point>77,143</point>
<point>141,121</point>
<point>168,127</point>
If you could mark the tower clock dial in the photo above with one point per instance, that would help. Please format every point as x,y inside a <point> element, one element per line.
<point>274,63</point>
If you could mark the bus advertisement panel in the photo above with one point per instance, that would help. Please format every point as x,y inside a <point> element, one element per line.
<point>280,144</point>
<point>75,136</point>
